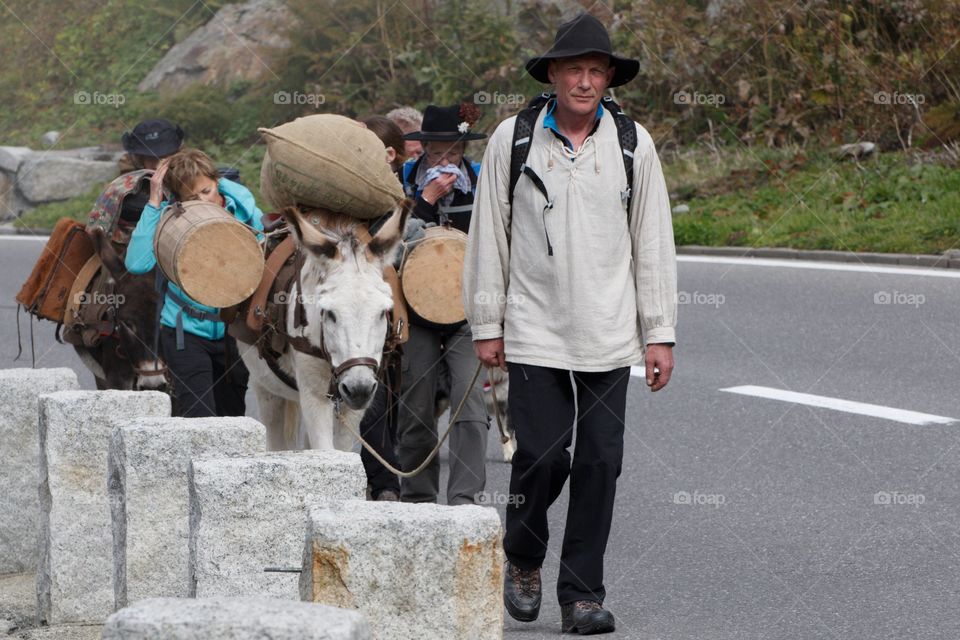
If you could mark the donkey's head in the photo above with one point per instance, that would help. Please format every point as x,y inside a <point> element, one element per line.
<point>134,299</point>
<point>344,296</point>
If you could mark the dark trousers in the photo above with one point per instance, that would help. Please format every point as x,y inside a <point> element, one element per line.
<point>209,378</point>
<point>543,412</point>
<point>379,429</point>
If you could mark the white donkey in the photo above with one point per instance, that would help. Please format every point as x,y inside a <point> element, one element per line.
<point>340,334</point>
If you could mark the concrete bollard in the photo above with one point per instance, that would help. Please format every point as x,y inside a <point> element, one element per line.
<point>20,391</point>
<point>233,619</point>
<point>149,500</point>
<point>415,570</point>
<point>74,579</point>
<point>249,513</point>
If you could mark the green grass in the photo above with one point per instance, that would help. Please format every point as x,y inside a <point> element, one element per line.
<point>890,203</point>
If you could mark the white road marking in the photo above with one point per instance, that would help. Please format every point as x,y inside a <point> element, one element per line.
<point>849,406</point>
<point>23,237</point>
<point>825,266</point>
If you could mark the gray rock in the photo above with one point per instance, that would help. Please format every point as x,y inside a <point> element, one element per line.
<point>74,578</point>
<point>681,208</point>
<point>12,203</point>
<point>249,513</point>
<point>11,157</point>
<point>98,154</point>
<point>233,619</point>
<point>235,45</point>
<point>50,138</point>
<point>48,177</point>
<point>856,150</point>
<point>149,502</point>
<point>20,391</point>
<point>414,570</point>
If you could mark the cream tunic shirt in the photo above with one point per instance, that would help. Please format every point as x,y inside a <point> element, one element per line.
<point>610,285</point>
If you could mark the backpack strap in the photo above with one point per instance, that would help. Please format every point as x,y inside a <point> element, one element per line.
<point>627,135</point>
<point>520,148</point>
<point>523,135</point>
<point>193,312</point>
<point>409,177</point>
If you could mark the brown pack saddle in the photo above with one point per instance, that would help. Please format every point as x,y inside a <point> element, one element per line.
<point>69,286</point>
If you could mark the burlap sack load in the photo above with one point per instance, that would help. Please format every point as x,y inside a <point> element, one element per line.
<point>330,162</point>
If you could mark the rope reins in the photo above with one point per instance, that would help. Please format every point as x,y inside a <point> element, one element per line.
<point>504,438</point>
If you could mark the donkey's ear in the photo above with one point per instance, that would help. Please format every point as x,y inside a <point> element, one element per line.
<point>385,243</point>
<point>308,236</point>
<point>108,256</point>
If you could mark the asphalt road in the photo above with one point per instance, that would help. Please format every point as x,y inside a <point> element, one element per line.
<point>791,521</point>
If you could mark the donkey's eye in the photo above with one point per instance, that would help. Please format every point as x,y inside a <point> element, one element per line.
<point>332,316</point>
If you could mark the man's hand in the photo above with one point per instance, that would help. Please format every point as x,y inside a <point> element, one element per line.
<point>661,357</point>
<point>490,352</point>
<point>156,183</point>
<point>438,188</point>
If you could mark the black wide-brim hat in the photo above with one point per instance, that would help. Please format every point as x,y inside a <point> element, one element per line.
<point>582,36</point>
<point>442,124</point>
<point>157,138</point>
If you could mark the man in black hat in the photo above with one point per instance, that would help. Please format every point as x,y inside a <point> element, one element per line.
<point>150,142</point>
<point>570,271</point>
<point>442,182</point>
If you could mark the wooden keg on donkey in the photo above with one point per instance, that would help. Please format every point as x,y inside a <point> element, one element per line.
<point>442,183</point>
<point>325,309</point>
<point>204,241</point>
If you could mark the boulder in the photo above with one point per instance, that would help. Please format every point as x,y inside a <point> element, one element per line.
<point>20,391</point>
<point>49,177</point>
<point>421,571</point>
<point>234,45</point>
<point>149,501</point>
<point>11,157</point>
<point>12,203</point>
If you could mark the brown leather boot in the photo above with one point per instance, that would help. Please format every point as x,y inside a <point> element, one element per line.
<point>585,617</point>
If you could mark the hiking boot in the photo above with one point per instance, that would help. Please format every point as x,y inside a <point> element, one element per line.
<point>585,617</point>
<point>521,592</point>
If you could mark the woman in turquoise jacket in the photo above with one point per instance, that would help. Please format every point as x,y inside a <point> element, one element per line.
<point>209,377</point>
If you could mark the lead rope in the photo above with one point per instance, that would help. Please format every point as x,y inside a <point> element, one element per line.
<point>436,449</point>
<point>19,340</point>
<point>504,438</point>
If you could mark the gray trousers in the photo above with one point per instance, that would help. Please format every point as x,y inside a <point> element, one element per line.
<point>423,357</point>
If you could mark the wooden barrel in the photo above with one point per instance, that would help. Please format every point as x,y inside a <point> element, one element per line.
<point>432,277</point>
<point>213,257</point>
